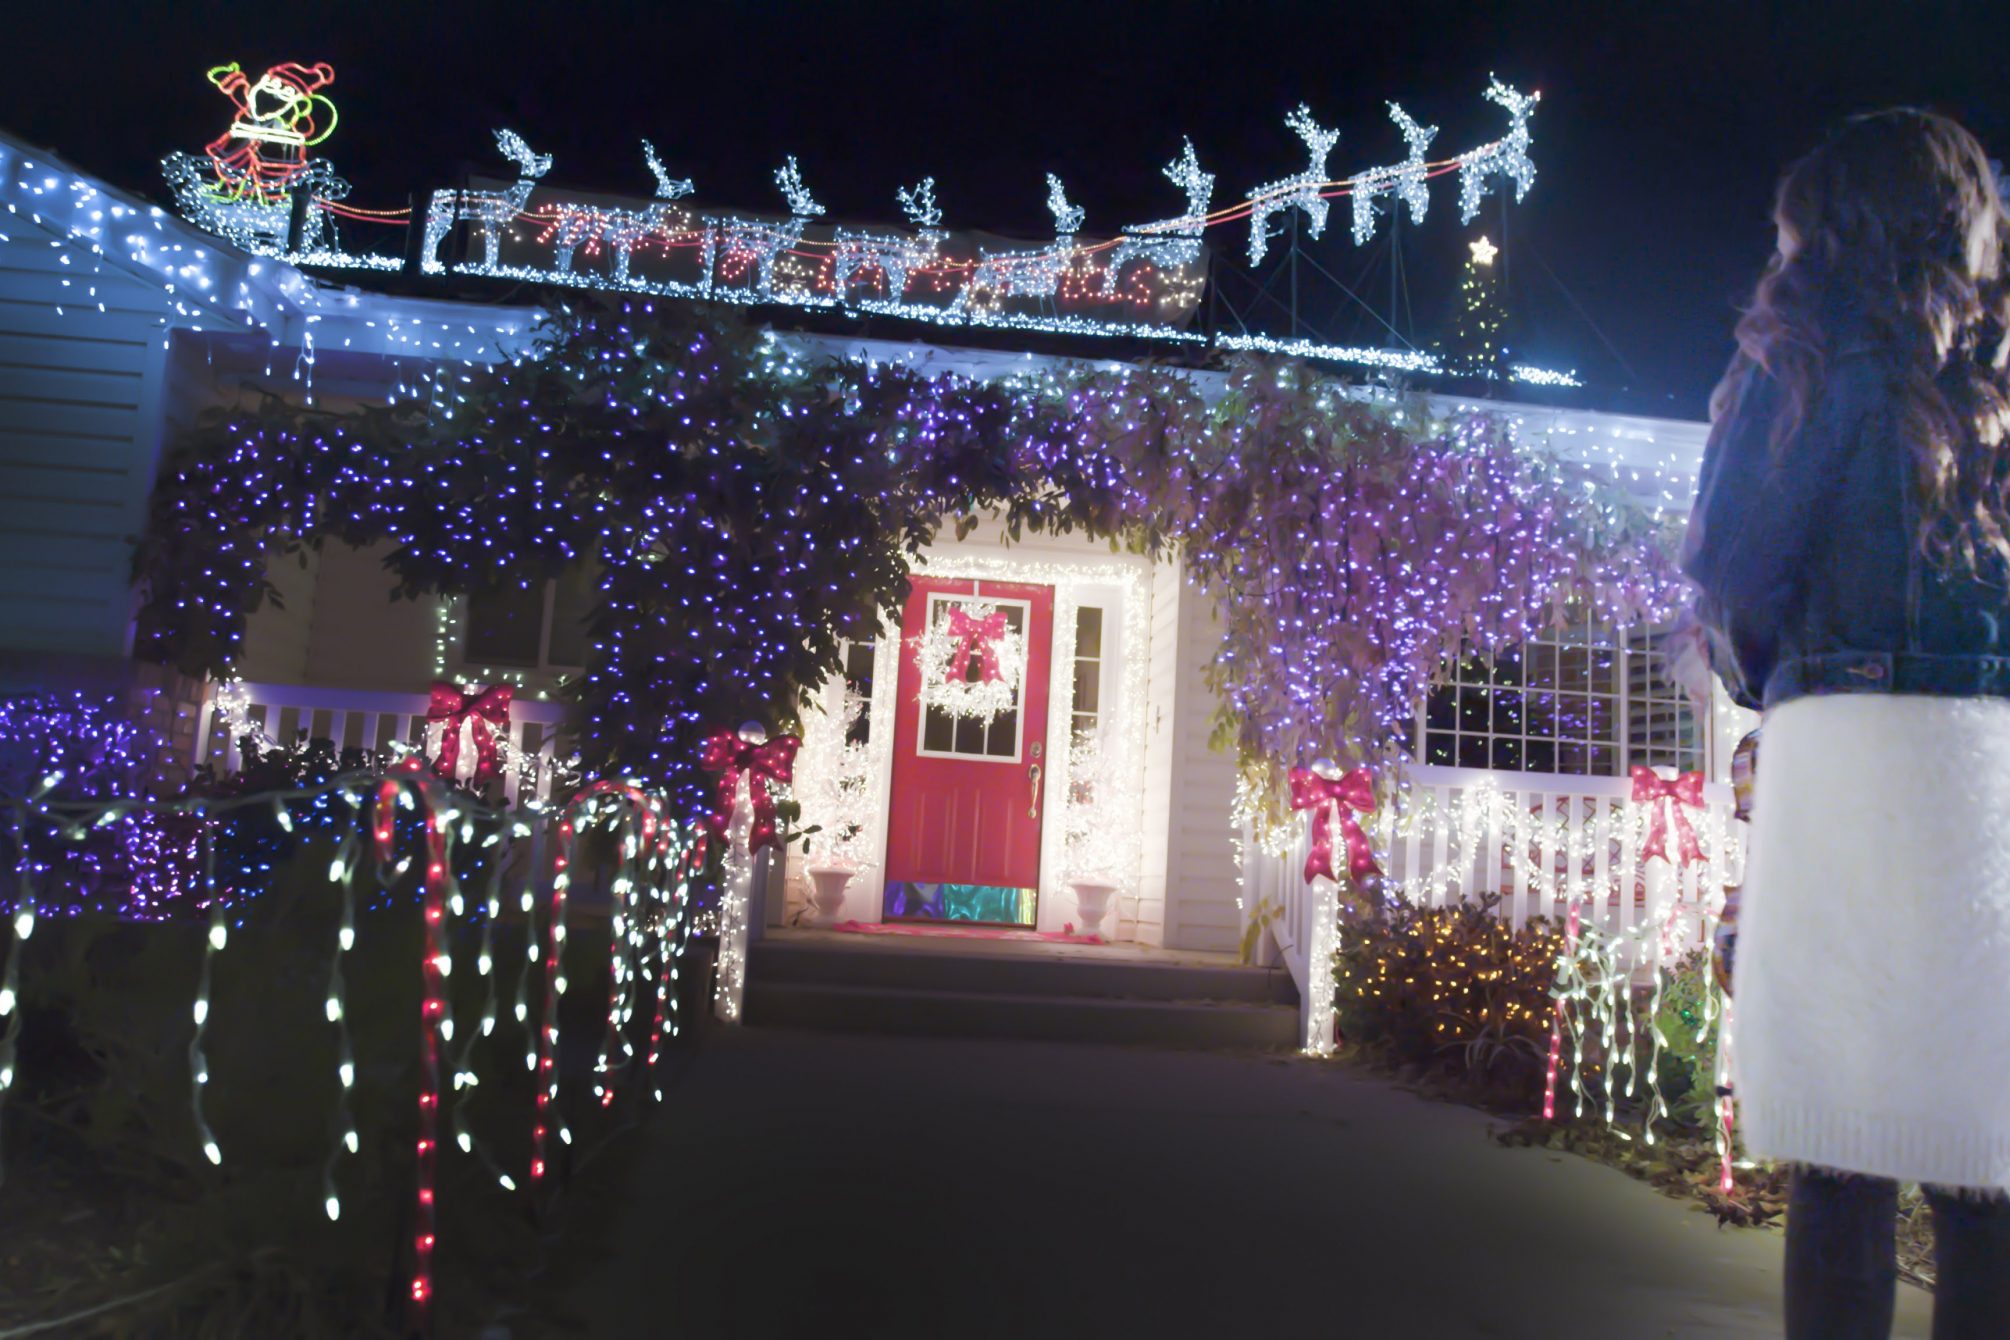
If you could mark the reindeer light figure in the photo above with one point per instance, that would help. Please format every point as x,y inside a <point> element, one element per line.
<point>1300,191</point>
<point>1507,157</point>
<point>1027,273</point>
<point>621,229</point>
<point>1404,180</point>
<point>755,243</point>
<point>1169,243</point>
<point>896,255</point>
<point>490,209</point>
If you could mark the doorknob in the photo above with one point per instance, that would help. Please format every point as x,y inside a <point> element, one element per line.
<point>1033,810</point>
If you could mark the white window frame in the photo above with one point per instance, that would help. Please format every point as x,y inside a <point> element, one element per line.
<point>939,598</point>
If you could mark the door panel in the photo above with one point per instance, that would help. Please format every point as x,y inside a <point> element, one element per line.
<point>965,814</point>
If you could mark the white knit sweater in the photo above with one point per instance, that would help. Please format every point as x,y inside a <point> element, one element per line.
<point>1872,1014</point>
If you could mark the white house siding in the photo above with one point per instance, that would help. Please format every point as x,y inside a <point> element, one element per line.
<point>1161,731</point>
<point>80,397</point>
<point>1200,876</point>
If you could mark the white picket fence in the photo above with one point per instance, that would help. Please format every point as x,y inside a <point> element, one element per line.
<point>371,720</point>
<point>1538,841</point>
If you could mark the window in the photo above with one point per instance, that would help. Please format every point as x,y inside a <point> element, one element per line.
<point>542,626</point>
<point>997,738</point>
<point>1577,700</point>
<point>1088,669</point>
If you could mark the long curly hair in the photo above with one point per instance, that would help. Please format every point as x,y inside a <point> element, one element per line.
<point>1892,233</point>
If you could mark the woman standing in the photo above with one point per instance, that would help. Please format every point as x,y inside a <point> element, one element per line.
<point>1851,548</point>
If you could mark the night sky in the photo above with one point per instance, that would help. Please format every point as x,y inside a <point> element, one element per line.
<point>1661,129</point>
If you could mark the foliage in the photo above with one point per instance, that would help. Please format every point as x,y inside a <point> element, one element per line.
<point>104,1127</point>
<point>1451,989</point>
<point>1687,1066</point>
<point>749,510</point>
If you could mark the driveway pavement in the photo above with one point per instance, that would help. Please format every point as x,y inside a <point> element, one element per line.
<point>823,1185</point>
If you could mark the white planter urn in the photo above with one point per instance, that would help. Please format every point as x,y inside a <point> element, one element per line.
<point>1092,903</point>
<point>827,891</point>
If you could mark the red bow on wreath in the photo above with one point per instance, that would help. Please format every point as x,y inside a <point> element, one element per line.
<point>1353,791</point>
<point>980,636</point>
<point>765,766</point>
<point>453,706</point>
<point>1684,793</point>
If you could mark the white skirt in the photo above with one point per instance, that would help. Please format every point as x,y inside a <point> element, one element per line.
<point>1871,1023</point>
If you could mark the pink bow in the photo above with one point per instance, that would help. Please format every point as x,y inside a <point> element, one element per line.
<point>453,706</point>
<point>978,635</point>
<point>1685,793</point>
<point>765,766</point>
<point>1351,792</point>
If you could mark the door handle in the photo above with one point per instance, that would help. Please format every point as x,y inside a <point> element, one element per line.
<point>1033,809</point>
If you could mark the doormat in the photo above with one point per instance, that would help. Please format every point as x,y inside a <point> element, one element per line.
<point>1067,937</point>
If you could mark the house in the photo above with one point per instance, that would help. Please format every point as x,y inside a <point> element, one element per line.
<point>120,323</point>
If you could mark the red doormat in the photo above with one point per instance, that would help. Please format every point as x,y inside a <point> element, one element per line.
<point>1067,937</point>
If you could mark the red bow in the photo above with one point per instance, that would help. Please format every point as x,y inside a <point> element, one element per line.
<point>765,766</point>
<point>1686,791</point>
<point>978,635</point>
<point>1353,791</point>
<point>452,705</point>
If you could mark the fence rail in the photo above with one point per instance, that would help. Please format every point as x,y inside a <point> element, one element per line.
<point>372,720</point>
<point>1536,841</point>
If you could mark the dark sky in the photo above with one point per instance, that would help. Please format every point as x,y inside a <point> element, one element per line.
<point>1661,129</point>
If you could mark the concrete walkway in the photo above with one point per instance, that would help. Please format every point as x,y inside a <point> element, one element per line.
<point>838,1186</point>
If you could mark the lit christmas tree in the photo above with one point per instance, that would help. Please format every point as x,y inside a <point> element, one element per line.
<point>1477,347</point>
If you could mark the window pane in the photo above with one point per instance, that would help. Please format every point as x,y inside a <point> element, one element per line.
<point>1002,739</point>
<point>1088,631</point>
<point>1441,710</point>
<point>858,665</point>
<point>1088,685</point>
<point>1438,749</point>
<point>503,625</point>
<point>969,736</point>
<point>938,731</point>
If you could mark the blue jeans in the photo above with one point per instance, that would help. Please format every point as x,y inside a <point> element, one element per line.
<point>1842,1270</point>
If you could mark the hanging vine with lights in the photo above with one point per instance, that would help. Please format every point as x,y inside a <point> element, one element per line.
<point>748,510</point>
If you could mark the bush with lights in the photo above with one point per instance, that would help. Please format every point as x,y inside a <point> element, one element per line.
<point>1453,990</point>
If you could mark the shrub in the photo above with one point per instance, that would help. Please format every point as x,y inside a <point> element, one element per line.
<point>1455,990</point>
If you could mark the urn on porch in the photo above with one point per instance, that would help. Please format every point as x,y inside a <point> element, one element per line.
<point>1092,903</point>
<point>827,891</point>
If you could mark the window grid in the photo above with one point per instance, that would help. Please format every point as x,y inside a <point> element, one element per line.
<point>1088,671</point>
<point>1576,701</point>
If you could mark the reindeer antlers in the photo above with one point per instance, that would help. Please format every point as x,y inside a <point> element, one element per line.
<point>1067,217</point>
<point>789,177</point>
<point>667,188</point>
<point>918,203</point>
<point>1319,141</point>
<point>514,149</point>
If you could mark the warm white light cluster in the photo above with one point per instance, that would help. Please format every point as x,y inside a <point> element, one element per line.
<point>736,895</point>
<point>1100,825</point>
<point>488,210</point>
<point>1404,180</point>
<point>1088,581</point>
<point>1505,157</point>
<point>1169,244</point>
<point>1025,272</point>
<point>1393,360</point>
<point>834,782</point>
<point>1302,191</point>
<point>945,682</point>
<point>895,255</point>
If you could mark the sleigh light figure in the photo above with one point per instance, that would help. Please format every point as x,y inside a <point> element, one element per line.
<point>244,184</point>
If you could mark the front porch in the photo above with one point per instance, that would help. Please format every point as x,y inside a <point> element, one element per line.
<point>928,982</point>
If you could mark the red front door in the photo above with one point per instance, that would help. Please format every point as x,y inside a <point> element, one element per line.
<point>968,795</point>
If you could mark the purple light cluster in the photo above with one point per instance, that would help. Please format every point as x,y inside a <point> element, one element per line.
<point>746,512</point>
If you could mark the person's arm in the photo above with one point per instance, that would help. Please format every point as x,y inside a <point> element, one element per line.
<point>1755,511</point>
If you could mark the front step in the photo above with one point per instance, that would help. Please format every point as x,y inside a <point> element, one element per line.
<point>964,994</point>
